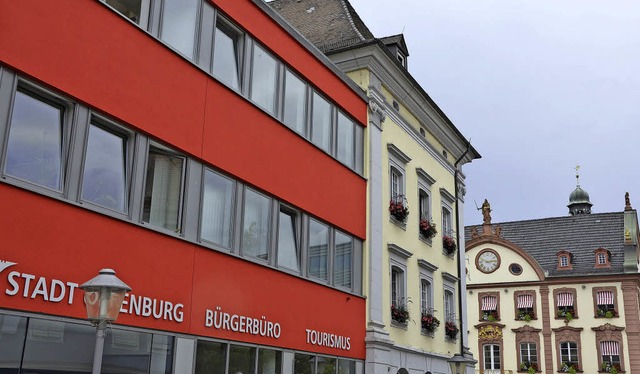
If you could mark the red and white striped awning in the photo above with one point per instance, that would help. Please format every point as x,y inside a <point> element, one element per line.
<point>565,299</point>
<point>525,301</point>
<point>604,297</point>
<point>489,303</point>
<point>610,348</point>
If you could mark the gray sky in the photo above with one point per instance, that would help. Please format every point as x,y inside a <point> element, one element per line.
<point>539,86</point>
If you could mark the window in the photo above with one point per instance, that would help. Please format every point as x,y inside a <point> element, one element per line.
<point>136,11</point>
<point>346,366</point>
<point>211,357</point>
<point>35,148</point>
<point>326,365</point>
<point>256,225</point>
<point>564,260</point>
<point>288,240</point>
<point>602,258</point>
<point>565,303</point>
<point>104,180</point>
<point>295,103</point>
<point>491,358</point>
<point>178,25</point>
<point>605,302</point>
<point>321,123</point>
<point>304,363</point>
<point>449,306</point>
<point>610,355</point>
<point>264,72</point>
<point>345,152</point>
<point>423,204</point>
<point>217,208</point>
<point>342,262</point>
<point>425,296</point>
<point>318,249</point>
<point>569,354</point>
<point>446,222</point>
<point>489,306</point>
<point>396,183</point>
<point>163,189</point>
<point>242,359</point>
<point>528,356</point>
<point>525,305</point>
<point>227,54</point>
<point>397,289</point>
<point>269,361</point>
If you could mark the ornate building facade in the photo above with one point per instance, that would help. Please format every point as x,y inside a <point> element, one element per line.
<point>556,294</point>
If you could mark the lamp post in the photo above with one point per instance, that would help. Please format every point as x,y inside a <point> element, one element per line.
<point>103,296</point>
<point>458,364</point>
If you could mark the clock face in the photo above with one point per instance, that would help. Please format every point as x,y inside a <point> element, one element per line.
<point>488,261</point>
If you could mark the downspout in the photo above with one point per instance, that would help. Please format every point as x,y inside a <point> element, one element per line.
<point>455,183</point>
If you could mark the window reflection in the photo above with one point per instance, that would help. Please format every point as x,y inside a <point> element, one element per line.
<point>295,101</point>
<point>217,208</point>
<point>321,123</point>
<point>318,249</point>
<point>135,10</point>
<point>226,56</point>
<point>104,178</point>
<point>342,263</point>
<point>210,357</point>
<point>326,365</point>
<point>34,149</point>
<point>345,148</point>
<point>163,189</point>
<point>304,364</point>
<point>269,361</point>
<point>255,225</point>
<point>241,359</point>
<point>179,24</point>
<point>12,335</point>
<point>263,79</point>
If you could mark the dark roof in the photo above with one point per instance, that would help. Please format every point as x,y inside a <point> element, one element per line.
<point>580,235</point>
<point>396,39</point>
<point>329,24</point>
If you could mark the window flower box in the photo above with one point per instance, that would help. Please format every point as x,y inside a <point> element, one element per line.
<point>490,315</point>
<point>399,313</point>
<point>529,367</point>
<point>526,316</point>
<point>609,367</point>
<point>566,313</point>
<point>569,367</point>
<point>427,228</point>
<point>451,330</point>
<point>399,209</point>
<point>606,313</point>
<point>449,244</point>
<point>429,322</point>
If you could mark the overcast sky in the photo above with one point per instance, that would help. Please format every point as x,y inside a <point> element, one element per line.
<point>539,86</point>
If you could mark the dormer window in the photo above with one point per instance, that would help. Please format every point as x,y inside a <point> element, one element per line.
<point>402,59</point>
<point>564,260</point>
<point>602,258</point>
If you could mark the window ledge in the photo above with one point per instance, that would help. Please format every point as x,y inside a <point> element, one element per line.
<point>424,332</point>
<point>399,325</point>
<point>425,240</point>
<point>398,223</point>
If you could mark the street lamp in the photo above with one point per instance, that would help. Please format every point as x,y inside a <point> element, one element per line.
<point>458,364</point>
<point>103,296</point>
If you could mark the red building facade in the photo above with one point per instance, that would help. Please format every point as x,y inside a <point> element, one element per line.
<point>209,156</point>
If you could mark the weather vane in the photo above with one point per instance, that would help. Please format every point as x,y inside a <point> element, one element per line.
<point>577,175</point>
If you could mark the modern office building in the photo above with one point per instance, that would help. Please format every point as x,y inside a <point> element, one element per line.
<point>415,242</point>
<point>557,294</point>
<point>209,155</point>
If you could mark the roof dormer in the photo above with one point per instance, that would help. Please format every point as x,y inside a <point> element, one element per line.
<point>398,48</point>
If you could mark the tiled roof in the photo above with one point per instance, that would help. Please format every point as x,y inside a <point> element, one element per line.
<point>580,235</point>
<point>329,24</point>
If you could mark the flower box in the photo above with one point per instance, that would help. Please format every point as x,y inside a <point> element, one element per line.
<point>451,330</point>
<point>427,228</point>
<point>429,322</point>
<point>399,209</point>
<point>448,244</point>
<point>399,313</point>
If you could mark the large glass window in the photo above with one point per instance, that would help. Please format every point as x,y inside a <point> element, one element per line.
<point>295,102</point>
<point>288,243</point>
<point>217,208</point>
<point>342,261</point>
<point>13,330</point>
<point>211,357</point>
<point>326,365</point>
<point>346,367</point>
<point>163,189</point>
<point>269,361</point>
<point>35,146</point>
<point>492,358</point>
<point>105,169</point>
<point>178,29</point>
<point>263,79</point>
<point>321,123</point>
<point>135,10</point>
<point>227,55</point>
<point>135,352</point>
<point>304,364</point>
<point>242,359</point>
<point>318,249</point>
<point>528,355</point>
<point>346,146</point>
<point>255,225</point>
<point>569,353</point>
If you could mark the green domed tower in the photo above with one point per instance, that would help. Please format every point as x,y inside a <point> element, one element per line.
<point>579,199</point>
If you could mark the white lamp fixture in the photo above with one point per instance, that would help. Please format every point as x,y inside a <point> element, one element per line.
<point>103,296</point>
<point>458,364</point>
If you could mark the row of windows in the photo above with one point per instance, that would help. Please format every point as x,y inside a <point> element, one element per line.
<point>609,356</point>
<point>198,32</point>
<point>62,149</point>
<point>41,346</point>
<point>602,259</point>
<point>604,301</point>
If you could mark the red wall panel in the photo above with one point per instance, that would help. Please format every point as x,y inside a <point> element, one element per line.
<point>49,239</point>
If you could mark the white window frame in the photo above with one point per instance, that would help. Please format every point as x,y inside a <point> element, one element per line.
<point>567,346</point>
<point>494,358</point>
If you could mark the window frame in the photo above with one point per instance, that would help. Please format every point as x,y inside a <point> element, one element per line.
<point>129,140</point>
<point>567,334</point>
<point>397,265</point>
<point>145,13</point>
<point>602,253</point>
<point>493,357</point>
<point>564,260</point>
<point>573,309</point>
<point>608,307</point>
<point>516,295</point>
<point>224,25</point>
<point>484,316</point>
<point>234,209</point>
<point>196,27</point>
<point>269,229</point>
<point>17,84</point>
<point>609,333</point>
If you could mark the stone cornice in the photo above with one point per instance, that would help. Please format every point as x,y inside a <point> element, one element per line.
<point>398,153</point>
<point>425,177</point>
<point>396,249</point>
<point>449,277</point>
<point>424,264</point>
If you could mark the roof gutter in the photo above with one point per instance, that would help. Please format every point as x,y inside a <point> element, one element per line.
<point>460,275</point>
